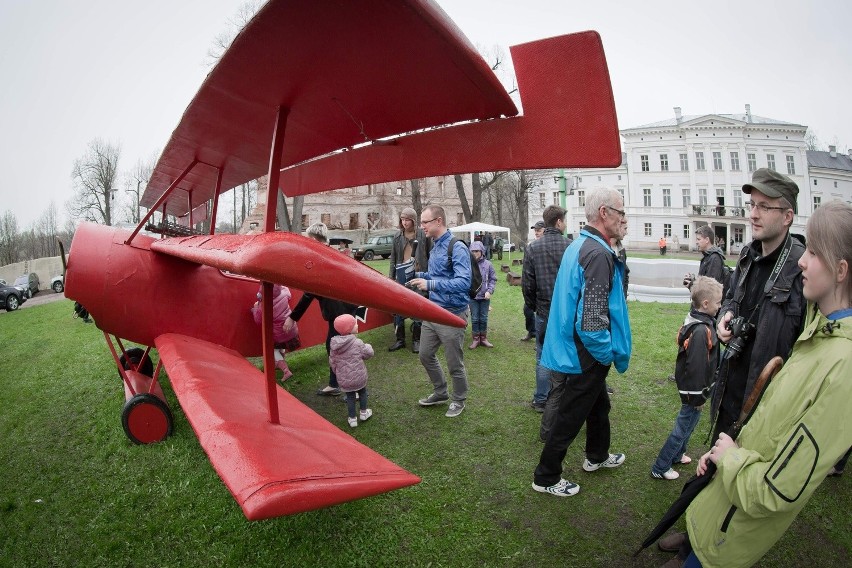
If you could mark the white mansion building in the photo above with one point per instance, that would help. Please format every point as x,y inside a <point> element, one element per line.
<point>688,171</point>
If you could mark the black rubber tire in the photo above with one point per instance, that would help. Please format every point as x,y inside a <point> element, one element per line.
<point>135,356</point>
<point>58,287</point>
<point>368,255</point>
<point>12,303</point>
<point>146,419</point>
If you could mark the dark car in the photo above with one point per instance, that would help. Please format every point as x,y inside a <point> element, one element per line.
<point>375,246</point>
<point>11,298</point>
<point>28,284</point>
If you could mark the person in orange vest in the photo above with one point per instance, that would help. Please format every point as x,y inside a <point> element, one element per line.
<point>662,245</point>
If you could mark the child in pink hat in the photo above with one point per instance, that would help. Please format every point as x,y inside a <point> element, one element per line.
<point>346,358</point>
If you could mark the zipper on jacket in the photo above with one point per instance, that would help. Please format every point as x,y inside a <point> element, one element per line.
<point>788,458</point>
<point>727,520</point>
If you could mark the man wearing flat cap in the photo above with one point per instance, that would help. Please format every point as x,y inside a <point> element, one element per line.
<point>765,292</point>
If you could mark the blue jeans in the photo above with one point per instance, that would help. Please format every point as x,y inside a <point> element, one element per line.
<point>479,316</point>
<point>350,400</point>
<point>675,445</point>
<point>542,374</point>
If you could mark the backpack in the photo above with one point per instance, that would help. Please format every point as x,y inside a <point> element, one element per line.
<point>475,274</point>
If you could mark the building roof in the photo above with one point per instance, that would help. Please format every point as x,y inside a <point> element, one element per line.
<point>742,117</point>
<point>819,159</point>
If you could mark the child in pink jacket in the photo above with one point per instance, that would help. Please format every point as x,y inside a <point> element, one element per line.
<point>283,340</point>
<point>346,358</point>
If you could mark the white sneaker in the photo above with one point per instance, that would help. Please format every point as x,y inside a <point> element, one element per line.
<point>353,422</point>
<point>563,488</point>
<point>670,475</point>
<point>365,414</point>
<point>614,460</point>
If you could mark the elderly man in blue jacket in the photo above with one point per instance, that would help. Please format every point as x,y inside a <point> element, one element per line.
<point>587,332</point>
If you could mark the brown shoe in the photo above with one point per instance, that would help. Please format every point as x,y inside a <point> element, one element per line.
<point>673,563</point>
<point>672,542</point>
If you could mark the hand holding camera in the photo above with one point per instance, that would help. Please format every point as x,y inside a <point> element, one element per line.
<point>689,279</point>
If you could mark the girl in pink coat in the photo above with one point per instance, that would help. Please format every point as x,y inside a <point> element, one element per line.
<point>283,339</point>
<point>346,358</point>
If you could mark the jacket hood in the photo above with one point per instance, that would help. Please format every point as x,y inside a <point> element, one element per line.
<point>477,245</point>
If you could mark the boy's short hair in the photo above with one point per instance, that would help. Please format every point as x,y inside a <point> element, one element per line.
<point>704,288</point>
<point>706,231</point>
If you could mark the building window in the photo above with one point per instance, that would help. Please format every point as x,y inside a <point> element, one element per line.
<point>699,161</point>
<point>738,199</point>
<point>815,181</point>
<point>459,219</point>
<point>325,218</point>
<point>305,220</point>
<point>667,229</point>
<point>667,197</point>
<point>717,161</point>
<point>791,166</point>
<point>686,232</point>
<point>371,190</point>
<point>542,200</point>
<point>770,161</point>
<point>619,177</point>
<point>735,161</point>
<point>684,163</point>
<point>555,198</point>
<point>643,159</point>
<point>738,235</point>
<point>702,196</point>
<point>373,221</point>
<point>599,178</point>
<point>354,221</point>
<point>581,198</point>
<point>817,201</point>
<point>581,225</point>
<point>647,229</point>
<point>835,185</point>
<point>664,162</point>
<point>686,197</point>
<point>752,162</point>
<point>646,196</point>
<point>441,188</point>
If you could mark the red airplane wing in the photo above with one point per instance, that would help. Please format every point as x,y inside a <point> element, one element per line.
<point>301,464</point>
<point>347,72</point>
<point>294,260</point>
<point>569,120</point>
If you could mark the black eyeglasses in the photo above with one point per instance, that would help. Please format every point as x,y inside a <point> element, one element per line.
<point>621,212</point>
<point>427,221</point>
<point>763,207</point>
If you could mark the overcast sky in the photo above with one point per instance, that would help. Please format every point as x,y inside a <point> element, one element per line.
<point>72,71</point>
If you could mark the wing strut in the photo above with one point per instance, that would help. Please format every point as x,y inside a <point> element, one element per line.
<point>269,226</point>
<point>161,201</point>
<point>216,200</point>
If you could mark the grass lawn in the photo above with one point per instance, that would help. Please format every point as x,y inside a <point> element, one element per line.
<point>75,492</point>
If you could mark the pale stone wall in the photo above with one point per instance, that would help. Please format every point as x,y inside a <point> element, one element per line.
<point>46,268</point>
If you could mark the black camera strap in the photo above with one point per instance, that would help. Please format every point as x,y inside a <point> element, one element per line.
<point>773,276</point>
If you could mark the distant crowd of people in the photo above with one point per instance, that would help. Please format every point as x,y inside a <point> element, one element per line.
<point>783,299</point>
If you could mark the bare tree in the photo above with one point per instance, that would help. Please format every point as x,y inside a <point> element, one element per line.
<point>47,231</point>
<point>233,26</point>
<point>812,141</point>
<point>135,182</point>
<point>94,177</point>
<point>10,238</point>
<point>515,188</point>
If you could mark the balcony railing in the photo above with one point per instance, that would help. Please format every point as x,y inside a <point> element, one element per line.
<point>717,211</point>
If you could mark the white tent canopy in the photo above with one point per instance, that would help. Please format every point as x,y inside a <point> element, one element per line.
<point>476,227</point>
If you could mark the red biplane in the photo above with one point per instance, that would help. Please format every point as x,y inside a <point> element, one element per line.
<point>317,95</point>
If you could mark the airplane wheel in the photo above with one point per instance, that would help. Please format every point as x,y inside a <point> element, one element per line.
<point>146,419</point>
<point>135,356</point>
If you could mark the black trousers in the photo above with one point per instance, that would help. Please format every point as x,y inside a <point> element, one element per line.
<point>584,401</point>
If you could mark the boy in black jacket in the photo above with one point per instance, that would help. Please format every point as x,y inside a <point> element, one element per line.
<point>695,368</point>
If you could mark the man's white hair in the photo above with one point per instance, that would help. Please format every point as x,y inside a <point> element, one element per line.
<point>597,198</point>
<point>319,232</point>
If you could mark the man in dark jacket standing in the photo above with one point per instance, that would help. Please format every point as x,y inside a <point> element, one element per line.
<point>712,259</point>
<point>404,248</point>
<point>763,312</point>
<point>541,264</point>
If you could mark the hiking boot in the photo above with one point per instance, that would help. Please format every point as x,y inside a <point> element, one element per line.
<point>365,414</point>
<point>455,409</point>
<point>353,422</point>
<point>670,475</point>
<point>563,488</point>
<point>538,406</point>
<point>433,399</point>
<point>476,341</point>
<point>399,344</point>
<point>614,460</point>
<point>530,335</point>
<point>483,341</point>
<point>672,542</point>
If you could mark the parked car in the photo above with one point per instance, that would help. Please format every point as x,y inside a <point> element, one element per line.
<point>57,283</point>
<point>375,246</point>
<point>11,298</point>
<point>28,284</point>
<point>509,247</point>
